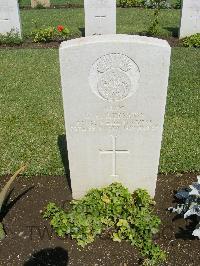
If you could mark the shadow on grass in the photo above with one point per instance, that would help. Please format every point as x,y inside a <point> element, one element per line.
<point>50,256</point>
<point>62,144</point>
<point>82,30</point>
<point>173,30</point>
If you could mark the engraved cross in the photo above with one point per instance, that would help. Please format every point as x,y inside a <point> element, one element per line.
<point>100,18</point>
<point>114,153</point>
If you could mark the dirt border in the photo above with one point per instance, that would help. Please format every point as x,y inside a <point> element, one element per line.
<point>30,240</point>
<point>173,42</point>
<point>74,5</point>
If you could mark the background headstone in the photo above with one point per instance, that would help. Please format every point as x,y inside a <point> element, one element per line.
<point>100,17</point>
<point>9,17</point>
<point>190,18</point>
<point>114,92</point>
<point>44,3</point>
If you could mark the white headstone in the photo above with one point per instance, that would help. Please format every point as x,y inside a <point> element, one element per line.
<point>9,17</point>
<point>114,92</point>
<point>100,17</point>
<point>190,18</point>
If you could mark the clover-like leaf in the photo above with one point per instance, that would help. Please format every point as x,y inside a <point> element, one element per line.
<point>116,237</point>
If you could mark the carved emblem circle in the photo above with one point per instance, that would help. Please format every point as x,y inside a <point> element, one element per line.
<point>114,77</point>
<point>114,85</point>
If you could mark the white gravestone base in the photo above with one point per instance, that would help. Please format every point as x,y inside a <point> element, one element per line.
<point>100,17</point>
<point>190,18</point>
<point>44,3</point>
<point>9,17</point>
<point>114,94</point>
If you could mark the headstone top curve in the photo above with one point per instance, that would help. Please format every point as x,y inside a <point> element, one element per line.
<point>115,38</point>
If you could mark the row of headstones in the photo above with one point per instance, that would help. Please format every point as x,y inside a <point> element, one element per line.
<point>100,16</point>
<point>10,15</point>
<point>114,91</point>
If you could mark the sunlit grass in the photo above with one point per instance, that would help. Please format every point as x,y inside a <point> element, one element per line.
<point>129,20</point>
<point>31,112</point>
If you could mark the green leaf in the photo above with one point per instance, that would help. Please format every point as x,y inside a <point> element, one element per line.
<point>114,208</point>
<point>116,237</point>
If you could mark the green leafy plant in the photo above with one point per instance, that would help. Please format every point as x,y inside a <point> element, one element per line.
<point>131,3</point>
<point>153,29</point>
<point>157,5</point>
<point>177,4</point>
<point>162,4</point>
<point>11,37</point>
<point>62,32</point>
<point>50,34</point>
<point>43,34</point>
<point>192,41</point>
<point>144,3</point>
<point>191,204</point>
<point>3,195</point>
<point>112,210</point>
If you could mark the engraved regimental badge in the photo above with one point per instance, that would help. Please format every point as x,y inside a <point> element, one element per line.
<point>114,77</point>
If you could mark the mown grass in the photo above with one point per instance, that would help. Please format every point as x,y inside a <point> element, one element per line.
<point>60,2</point>
<point>31,112</point>
<point>57,2</point>
<point>129,20</point>
<point>181,143</point>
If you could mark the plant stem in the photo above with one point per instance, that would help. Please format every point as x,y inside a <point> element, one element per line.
<point>2,232</point>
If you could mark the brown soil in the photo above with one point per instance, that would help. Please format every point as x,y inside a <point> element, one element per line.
<point>31,241</point>
<point>174,42</point>
<point>30,45</point>
<point>66,5</point>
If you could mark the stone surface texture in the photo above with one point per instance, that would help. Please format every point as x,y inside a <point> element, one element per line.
<point>44,3</point>
<point>190,18</point>
<point>100,17</point>
<point>9,17</point>
<point>114,94</point>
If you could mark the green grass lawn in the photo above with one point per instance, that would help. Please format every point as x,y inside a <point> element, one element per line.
<point>57,2</point>
<point>31,119</point>
<point>28,2</point>
<point>181,142</point>
<point>129,20</point>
